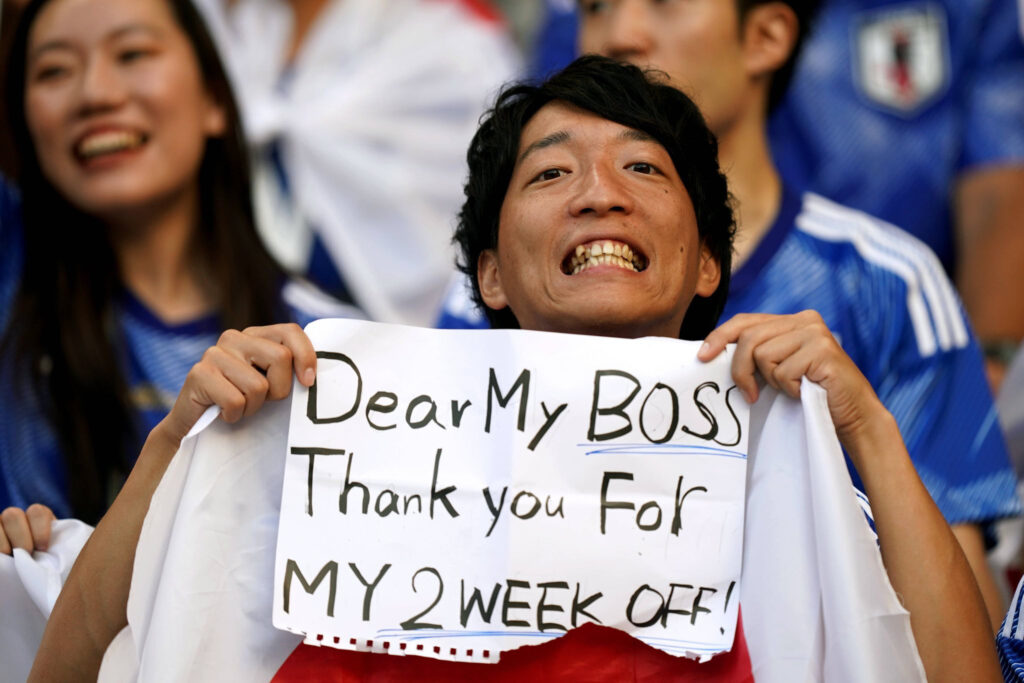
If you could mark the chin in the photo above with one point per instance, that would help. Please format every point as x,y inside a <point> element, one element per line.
<point>621,324</point>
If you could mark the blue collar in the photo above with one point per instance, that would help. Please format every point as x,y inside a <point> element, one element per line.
<point>785,221</point>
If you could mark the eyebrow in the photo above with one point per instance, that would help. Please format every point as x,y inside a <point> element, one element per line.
<point>563,136</point>
<point>557,138</point>
<point>64,44</point>
<point>636,135</point>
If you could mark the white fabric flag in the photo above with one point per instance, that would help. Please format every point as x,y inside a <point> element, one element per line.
<point>29,584</point>
<point>373,117</point>
<point>816,602</point>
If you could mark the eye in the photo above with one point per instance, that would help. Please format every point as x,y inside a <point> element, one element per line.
<point>548,174</point>
<point>643,167</point>
<point>591,7</point>
<point>129,55</point>
<point>48,73</point>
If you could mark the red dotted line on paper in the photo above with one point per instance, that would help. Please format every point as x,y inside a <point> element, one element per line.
<point>404,647</point>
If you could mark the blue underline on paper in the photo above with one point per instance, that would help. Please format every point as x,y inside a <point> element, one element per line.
<point>667,644</point>
<point>659,449</point>
<point>426,634</point>
<point>680,645</point>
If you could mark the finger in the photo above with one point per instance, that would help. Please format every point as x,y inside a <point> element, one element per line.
<point>270,350</point>
<point>237,386</point>
<point>40,523</point>
<point>276,362</point>
<point>16,528</point>
<point>728,333</point>
<point>5,544</point>
<point>771,355</point>
<point>787,375</point>
<point>752,359</point>
<point>290,335</point>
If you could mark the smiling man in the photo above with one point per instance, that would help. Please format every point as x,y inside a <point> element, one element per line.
<point>649,225</point>
<point>598,276</point>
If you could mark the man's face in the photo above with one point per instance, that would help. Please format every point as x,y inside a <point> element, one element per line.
<point>597,234</point>
<point>696,42</point>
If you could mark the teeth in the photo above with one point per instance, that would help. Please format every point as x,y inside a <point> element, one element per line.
<point>105,143</point>
<point>605,253</point>
<point>602,260</point>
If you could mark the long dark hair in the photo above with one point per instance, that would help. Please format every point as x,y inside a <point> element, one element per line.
<point>617,92</point>
<point>63,332</point>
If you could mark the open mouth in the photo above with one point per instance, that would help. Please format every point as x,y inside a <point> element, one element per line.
<point>108,142</point>
<point>603,253</point>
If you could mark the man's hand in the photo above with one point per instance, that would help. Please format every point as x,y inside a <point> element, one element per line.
<point>782,349</point>
<point>240,373</point>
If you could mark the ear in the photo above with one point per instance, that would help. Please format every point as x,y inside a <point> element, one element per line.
<point>709,273</point>
<point>488,275</point>
<point>215,119</point>
<point>769,35</point>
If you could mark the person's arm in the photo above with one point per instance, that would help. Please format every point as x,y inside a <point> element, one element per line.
<point>924,562</point>
<point>988,205</point>
<point>972,542</point>
<point>239,375</point>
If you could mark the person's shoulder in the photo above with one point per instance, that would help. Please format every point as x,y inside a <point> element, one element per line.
<point>306,303</point>
<point>889,259</point>
<point>833,221</point>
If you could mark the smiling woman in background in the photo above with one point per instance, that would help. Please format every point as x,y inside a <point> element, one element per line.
<point>131,246</point>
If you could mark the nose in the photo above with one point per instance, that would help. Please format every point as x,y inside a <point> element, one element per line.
<point>601,190</point>
<point>628,35</point>
<point>102,87</point>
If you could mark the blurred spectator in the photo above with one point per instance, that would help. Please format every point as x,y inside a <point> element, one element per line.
<point>914,112</point>
<point>131,245</point>
<point>358,113</point>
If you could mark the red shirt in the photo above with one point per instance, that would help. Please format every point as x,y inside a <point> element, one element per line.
<point>589,653</point>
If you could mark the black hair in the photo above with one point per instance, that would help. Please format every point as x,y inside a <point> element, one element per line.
<point>626,95</point>
<point>805,11</point>
<point>62,334</point>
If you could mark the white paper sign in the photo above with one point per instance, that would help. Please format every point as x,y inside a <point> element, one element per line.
<point>456,494</point>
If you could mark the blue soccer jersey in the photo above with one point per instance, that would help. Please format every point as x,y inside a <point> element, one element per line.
<point>1010,639</point>
<point>887,300</point>
<point>157,356</point>
<point>891,99</point>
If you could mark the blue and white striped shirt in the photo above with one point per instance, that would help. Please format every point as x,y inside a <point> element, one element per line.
<point>888,301</point>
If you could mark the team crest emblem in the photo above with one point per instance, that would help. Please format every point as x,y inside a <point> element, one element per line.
<point>902,57</point>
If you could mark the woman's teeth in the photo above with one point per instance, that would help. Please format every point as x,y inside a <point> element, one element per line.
<point>605,254</point>
<point>108,143</point>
